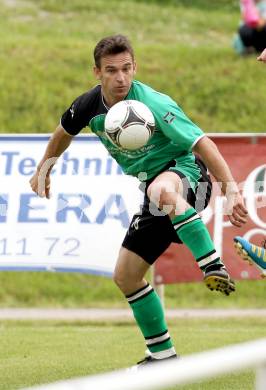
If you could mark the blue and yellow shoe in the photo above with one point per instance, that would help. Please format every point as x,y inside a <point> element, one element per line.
<point>252,253</point>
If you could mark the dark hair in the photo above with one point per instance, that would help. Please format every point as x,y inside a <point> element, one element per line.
<point>113,44</point>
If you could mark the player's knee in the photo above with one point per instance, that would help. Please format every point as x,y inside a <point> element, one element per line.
<point>125,281</point>
<point>164,195</point>
<point>159,191</point>
<point>117,279</point>
<point>120,279</point>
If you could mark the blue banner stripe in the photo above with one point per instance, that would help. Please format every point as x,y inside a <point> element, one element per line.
<point>54,269</point>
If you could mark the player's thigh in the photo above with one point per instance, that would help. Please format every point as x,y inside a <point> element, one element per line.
<point>149,234</point>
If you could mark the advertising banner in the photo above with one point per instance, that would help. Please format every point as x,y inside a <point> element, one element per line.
<point>83,224</point>
<point>81,227</point>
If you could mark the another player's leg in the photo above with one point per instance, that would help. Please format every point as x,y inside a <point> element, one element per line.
<point>167,191</point>
<point>145,304</point>
<point>252,253</point>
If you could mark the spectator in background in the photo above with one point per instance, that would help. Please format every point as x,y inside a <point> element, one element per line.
<point>251,35</point>
<point>262,56</point>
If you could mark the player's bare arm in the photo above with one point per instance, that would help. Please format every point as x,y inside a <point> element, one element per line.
<point>216,164</point>
<point>58,143</point>
<point>262,56</point>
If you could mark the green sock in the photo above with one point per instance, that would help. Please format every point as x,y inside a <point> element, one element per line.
<point>148,312</point>
<point>195,235</point>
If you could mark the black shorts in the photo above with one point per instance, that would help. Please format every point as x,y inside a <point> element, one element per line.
<point>151,231</point>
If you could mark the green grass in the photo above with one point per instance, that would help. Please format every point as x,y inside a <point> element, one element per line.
<point>40,352</point>
<point>183,48</point>
<point>29,289</point>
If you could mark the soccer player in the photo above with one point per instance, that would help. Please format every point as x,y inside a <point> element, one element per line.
<point>252,253</point>
<point>177,186</point>
<point>262,56</point>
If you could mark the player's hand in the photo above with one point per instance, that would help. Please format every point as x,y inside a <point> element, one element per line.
<point>40,185</point>
<point>262,56</point>
<point>236,209</point>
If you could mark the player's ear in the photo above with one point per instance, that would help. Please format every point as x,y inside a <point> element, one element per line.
<point>97,72</point>
<point>134,67</point>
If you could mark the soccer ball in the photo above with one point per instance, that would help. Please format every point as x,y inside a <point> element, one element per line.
<point>129,124</point>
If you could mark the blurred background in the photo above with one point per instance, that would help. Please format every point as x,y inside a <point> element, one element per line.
<point>183,48</point>
<point>188,49</point>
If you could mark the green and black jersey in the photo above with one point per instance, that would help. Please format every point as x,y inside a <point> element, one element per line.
<point>173,138</point>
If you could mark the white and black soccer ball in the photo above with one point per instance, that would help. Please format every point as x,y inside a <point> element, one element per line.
<point>129,124</point>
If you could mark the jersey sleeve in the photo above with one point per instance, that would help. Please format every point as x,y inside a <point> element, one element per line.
<point>176,125</point>
<point>75,118</point>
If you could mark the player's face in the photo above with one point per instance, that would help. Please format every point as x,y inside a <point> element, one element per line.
<point>116,74</point>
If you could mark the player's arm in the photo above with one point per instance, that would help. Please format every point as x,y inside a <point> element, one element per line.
<point>216,164</point>
<point>58,143</point>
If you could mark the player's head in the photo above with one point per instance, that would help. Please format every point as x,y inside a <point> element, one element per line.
<point>114,44</point>
<point>114,67</point>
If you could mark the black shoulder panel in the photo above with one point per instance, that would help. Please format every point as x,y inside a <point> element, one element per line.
<point>82,110</point>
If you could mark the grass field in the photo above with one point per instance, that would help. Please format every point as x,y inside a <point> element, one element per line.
<point>183,48</point>
<point>26,289</point>
<point>42,352</point>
